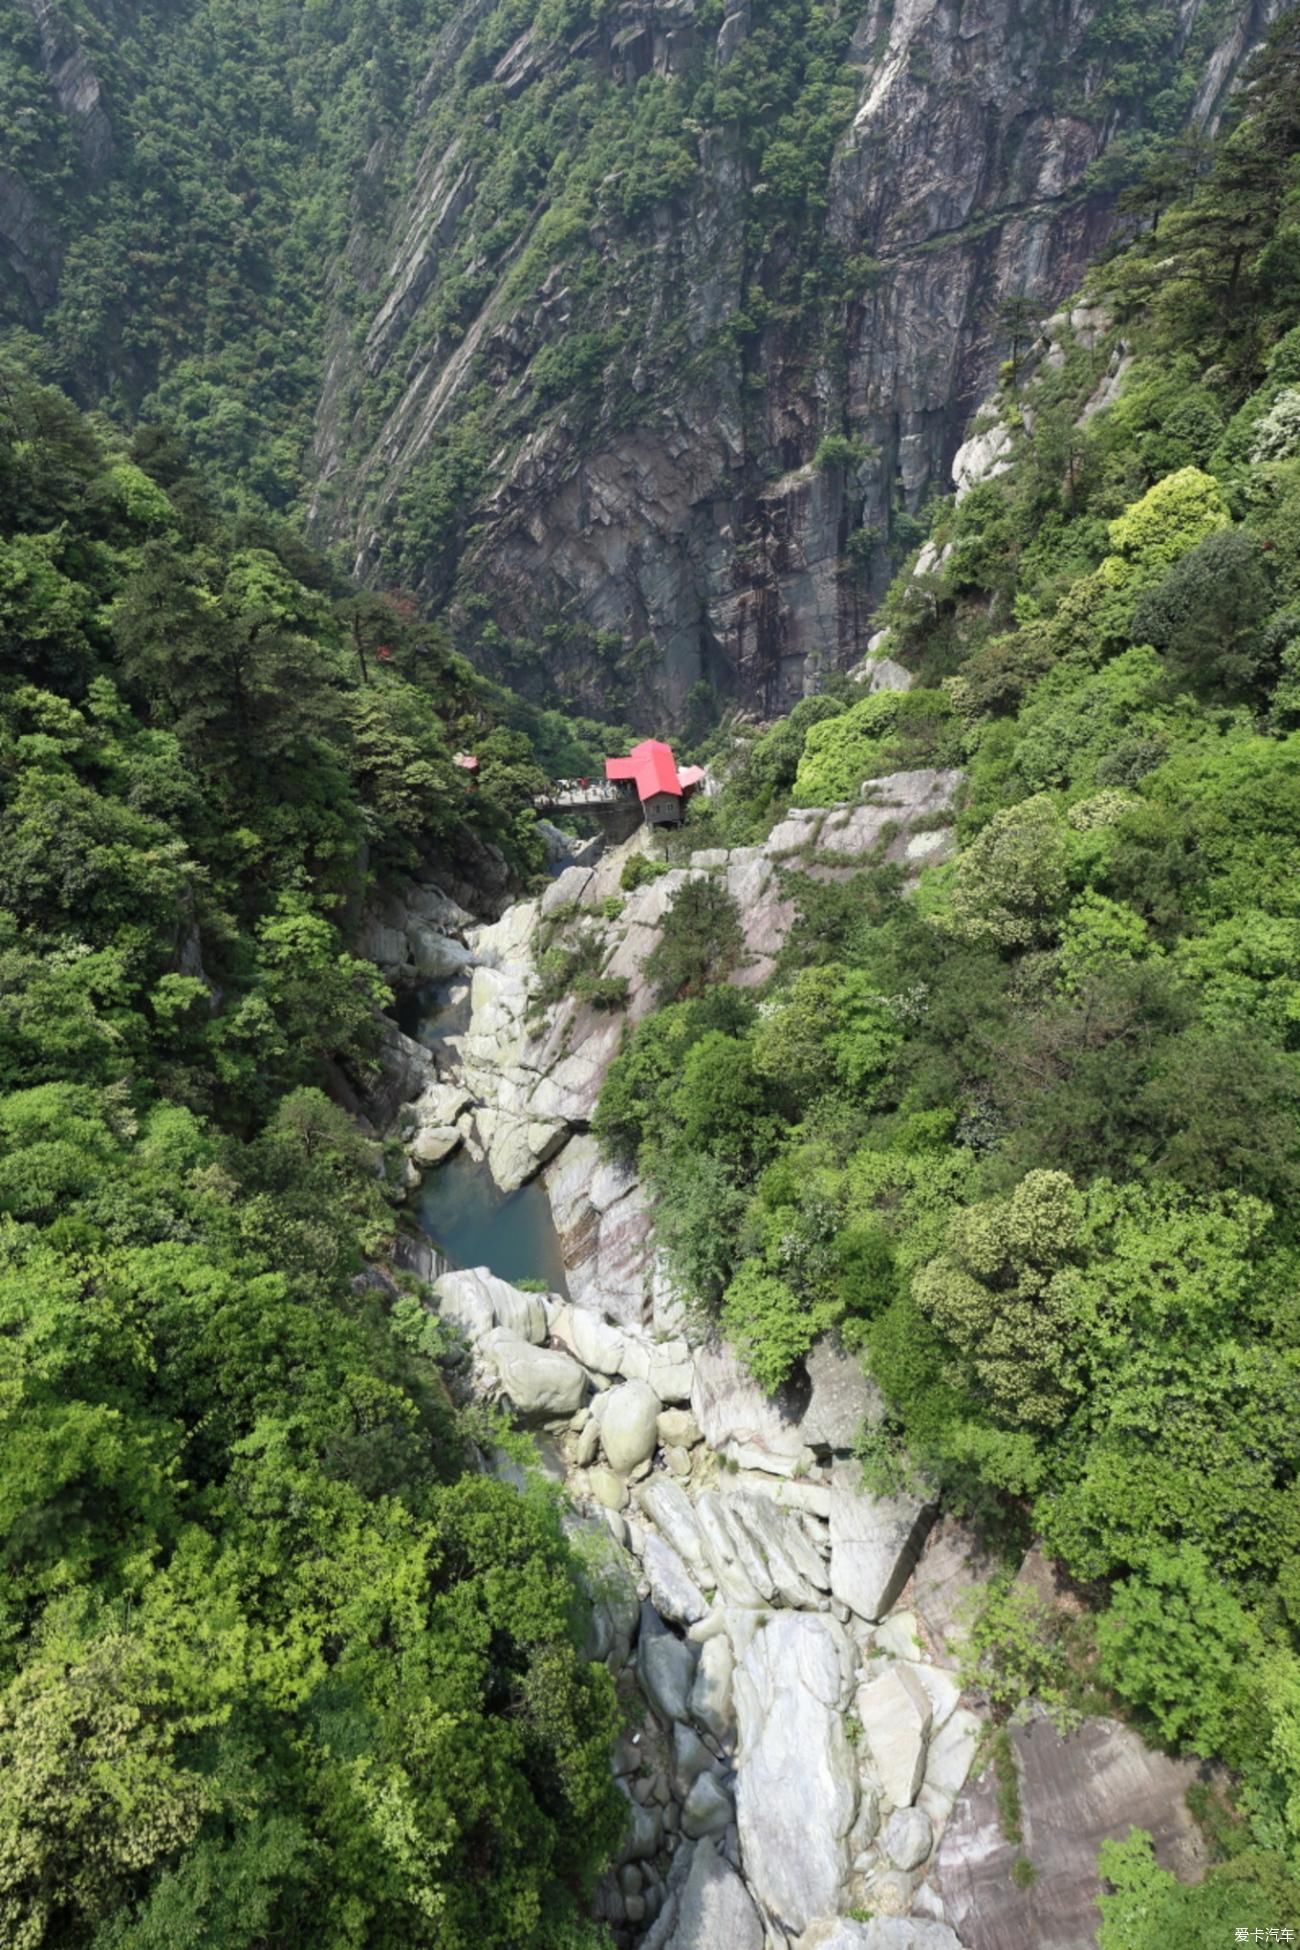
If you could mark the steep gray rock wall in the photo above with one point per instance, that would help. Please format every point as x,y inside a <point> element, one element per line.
<point>685,516</point>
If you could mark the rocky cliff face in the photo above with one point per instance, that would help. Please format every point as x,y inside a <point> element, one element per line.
<point>629,409</point>
<point>650,326</point>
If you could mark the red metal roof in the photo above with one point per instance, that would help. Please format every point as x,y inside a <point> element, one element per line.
<point>467,761</point>
<point>651,767</point>
<point>690,775</point>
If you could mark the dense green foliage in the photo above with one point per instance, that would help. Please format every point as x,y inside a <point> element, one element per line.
<point>276,1663</point>
<point>1031,1138</point>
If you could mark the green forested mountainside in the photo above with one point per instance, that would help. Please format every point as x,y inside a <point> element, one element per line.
<point>277,219</point>
<point>1031,1139</point>
<point>278,1663</point>
<point>195,231</point>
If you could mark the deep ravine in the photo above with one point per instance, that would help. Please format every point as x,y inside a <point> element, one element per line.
<point>801,1765</point>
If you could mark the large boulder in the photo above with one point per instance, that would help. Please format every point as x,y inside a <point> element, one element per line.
<point>478,1301</point>
<point>666,1669</point>
<point>629,1426</point>
<point>738,1419</point>
<point>717,1911</point>
<point>874,1542</point>
<point>842,1397</point>
<point>596,1341</point>
<point>542,1383</point>
<point>896,1713</point>
<point>797,1788</point>
<point>675,1593</point>
<point>708,1809</point>
<point>1075,1793</point>
<point>908,1838</point>
<point>711,1694</point>
<point>435,955</point>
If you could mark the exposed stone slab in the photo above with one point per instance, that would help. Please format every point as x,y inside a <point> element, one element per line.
<point>875,1541</point>
<point>797,1790</point>
<point>478,1301</point>
<point>795,1572</point>
<point>675,1593</point>
<point>716,1912</point>
<point>602,1220</point>
<point>881,1933</point>
<point>951,1566</point>
<point>895,1712</point>
<point>842,1397</point>
<point>540,1381</point>
<point>1075,1793</point>
<point>668,1506</point>
<point>738,1418</point>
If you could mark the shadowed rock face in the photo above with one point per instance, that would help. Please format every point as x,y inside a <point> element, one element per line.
<point>683,505</point>
<point>1075,1793</point>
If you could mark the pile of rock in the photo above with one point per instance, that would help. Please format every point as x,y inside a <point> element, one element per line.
<point>798,1753</point>
<point>419,936</point>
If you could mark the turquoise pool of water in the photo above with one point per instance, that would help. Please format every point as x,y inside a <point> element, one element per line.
<point>475,1224</point>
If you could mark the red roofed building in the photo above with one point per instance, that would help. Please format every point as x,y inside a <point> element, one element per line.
<point>651,770</point>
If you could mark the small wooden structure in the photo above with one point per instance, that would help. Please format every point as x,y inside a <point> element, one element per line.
<point>644,786</point>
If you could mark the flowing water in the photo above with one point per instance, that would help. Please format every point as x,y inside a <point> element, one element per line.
<point>471,1222</point>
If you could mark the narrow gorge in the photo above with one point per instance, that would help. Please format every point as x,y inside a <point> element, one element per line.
<point>803,1767</point>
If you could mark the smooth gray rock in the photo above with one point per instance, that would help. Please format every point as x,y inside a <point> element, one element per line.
<point>678,1428</point>
<point>629,1426</point>
<point>666,1668</point>
<point>691,1758</point>
<point>479,1301</point>
<point>875,1541</point>
<point>672,1587</point>
<point>716,1911</point>
<point>711,1694</point>
<point>797,1779</point>
<point>644,1832</point>
<point>884,674</point>
<point>843,1397</point>
<point>596,1341</point>
<point>540,1381</point>
<point>908,1838</point>
<point>667,1505</point>
<point>1075,1793</point>
<point>895,1712</point>
<point>435,955</point>
<point>881,1933</point>
<point>708,1809</point>
<point>737,1417</point>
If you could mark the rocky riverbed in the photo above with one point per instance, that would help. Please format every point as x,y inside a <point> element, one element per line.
<point>798,1752</point>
